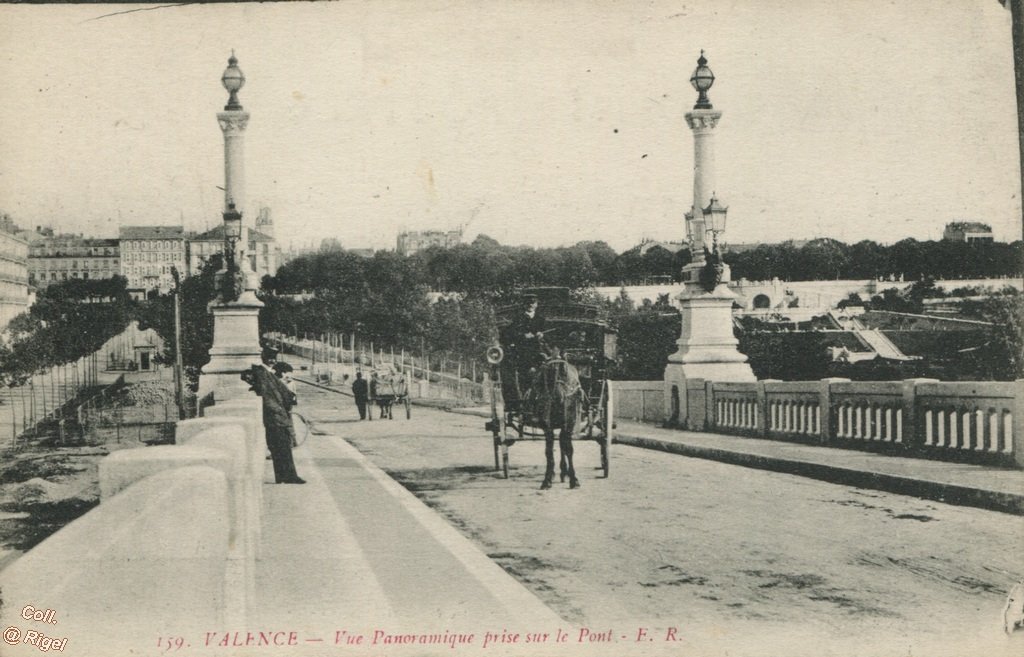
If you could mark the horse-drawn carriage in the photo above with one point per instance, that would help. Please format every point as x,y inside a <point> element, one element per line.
<point>566,388</point>
<point>388,387</point>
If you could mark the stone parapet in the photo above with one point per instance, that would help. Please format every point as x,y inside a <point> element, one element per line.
<point>149,561</point>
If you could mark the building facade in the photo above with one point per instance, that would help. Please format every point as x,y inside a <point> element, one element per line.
<point>55,258</point>
<point>967,231</point>
<point>262,250</point>
<point>413,241</point>
<point>14,297</point>
<point>147,255</point>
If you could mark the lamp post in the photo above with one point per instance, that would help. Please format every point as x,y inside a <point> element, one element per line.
<point>706,345</point>
<point>236,341</point>
<point>702,119</point>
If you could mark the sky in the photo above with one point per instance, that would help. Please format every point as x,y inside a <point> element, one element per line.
<point>542,123</point>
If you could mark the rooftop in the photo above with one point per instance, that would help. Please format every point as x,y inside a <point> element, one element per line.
<point>216,234</point>
<point>151,232</point>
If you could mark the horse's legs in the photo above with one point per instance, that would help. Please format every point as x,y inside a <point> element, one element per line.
<point>549,454</point>
<point>563,468</point>
<point>565,442</point>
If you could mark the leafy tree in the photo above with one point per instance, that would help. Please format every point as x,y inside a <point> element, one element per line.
<point>69,320</point>
<point>196,320</point>
<point>1003,355</point>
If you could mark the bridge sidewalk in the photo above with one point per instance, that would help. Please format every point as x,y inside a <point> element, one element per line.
<point>997,489</point>
<point>353,550</point>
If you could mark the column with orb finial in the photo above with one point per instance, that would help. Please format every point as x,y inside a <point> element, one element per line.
<point>706,348</point>
<point>236,339</point>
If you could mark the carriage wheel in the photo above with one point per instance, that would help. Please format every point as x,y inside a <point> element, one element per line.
<point>408,408</point>
<point>607,417</point>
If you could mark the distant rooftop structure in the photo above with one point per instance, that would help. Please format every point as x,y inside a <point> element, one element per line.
<point>647,244</point>
<point>967,231</point>
<point>7,225</point>
<point>750,246</point>
<point>151,232</point>
<point>413,241</point>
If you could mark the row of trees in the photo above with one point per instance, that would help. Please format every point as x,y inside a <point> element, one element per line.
<point>69,320</point>
<point>909,259</point>
<point>487,266</point>
<point>387,298</point>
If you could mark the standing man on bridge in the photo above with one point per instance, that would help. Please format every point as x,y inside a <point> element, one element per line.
<point>360,391</point>
<point>277,420</point>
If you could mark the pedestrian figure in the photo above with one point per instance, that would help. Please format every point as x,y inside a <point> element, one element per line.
<point>360,391</point>
<point>277,420</point>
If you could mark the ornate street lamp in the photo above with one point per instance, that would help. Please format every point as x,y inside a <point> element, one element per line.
<point>702,79</point>
<point>233,80</point>
<point>714,221</point>
<point>232,229</point>
<point>232,281</point>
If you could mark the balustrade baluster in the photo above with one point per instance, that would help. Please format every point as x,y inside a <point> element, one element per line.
<point>1007,432</point>
<point>992,430</point>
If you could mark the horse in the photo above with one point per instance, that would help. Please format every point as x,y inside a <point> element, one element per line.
<point>557,396</point>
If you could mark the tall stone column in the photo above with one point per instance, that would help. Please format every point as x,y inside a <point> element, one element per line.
<point>706,348</point>
<point>236,336</point>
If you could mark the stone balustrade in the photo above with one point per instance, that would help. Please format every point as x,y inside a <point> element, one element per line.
<point>972,422</point>
<point>160,559</point>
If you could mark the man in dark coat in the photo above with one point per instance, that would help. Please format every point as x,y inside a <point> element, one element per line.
<point>360,391</point>
<point>524,336</point>
<point>277,420</point>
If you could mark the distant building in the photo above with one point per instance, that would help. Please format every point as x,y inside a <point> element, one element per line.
<point>413,241</point>
<point>750,246</point>
<point>14,297</point>
<point>646,245</point>
<point>967,231</point>
<point>147,255</point>
<point>262,250</point>
<point>54,258</point>
<point>293,252</point>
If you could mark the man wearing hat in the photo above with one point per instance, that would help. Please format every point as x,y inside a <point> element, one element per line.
<point>524,340</point>
<point>277,420</point>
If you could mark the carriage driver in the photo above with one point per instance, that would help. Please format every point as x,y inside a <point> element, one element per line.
<point>524,339</point>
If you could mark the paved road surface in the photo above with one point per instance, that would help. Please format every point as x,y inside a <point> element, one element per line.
<point>737,560</point>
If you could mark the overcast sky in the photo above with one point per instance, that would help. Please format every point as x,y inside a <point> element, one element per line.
<point>540,123</point>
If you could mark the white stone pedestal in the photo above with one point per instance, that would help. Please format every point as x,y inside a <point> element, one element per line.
<point>236,348</point>
<point>706,345</point>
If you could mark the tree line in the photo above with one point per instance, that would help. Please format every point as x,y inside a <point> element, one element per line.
<point>69,320</point>
<point>445,299</point>
<point>909,259</point>
<point>484,265</point>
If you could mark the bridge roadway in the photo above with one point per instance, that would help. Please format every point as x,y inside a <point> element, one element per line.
<point>734,560</point>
